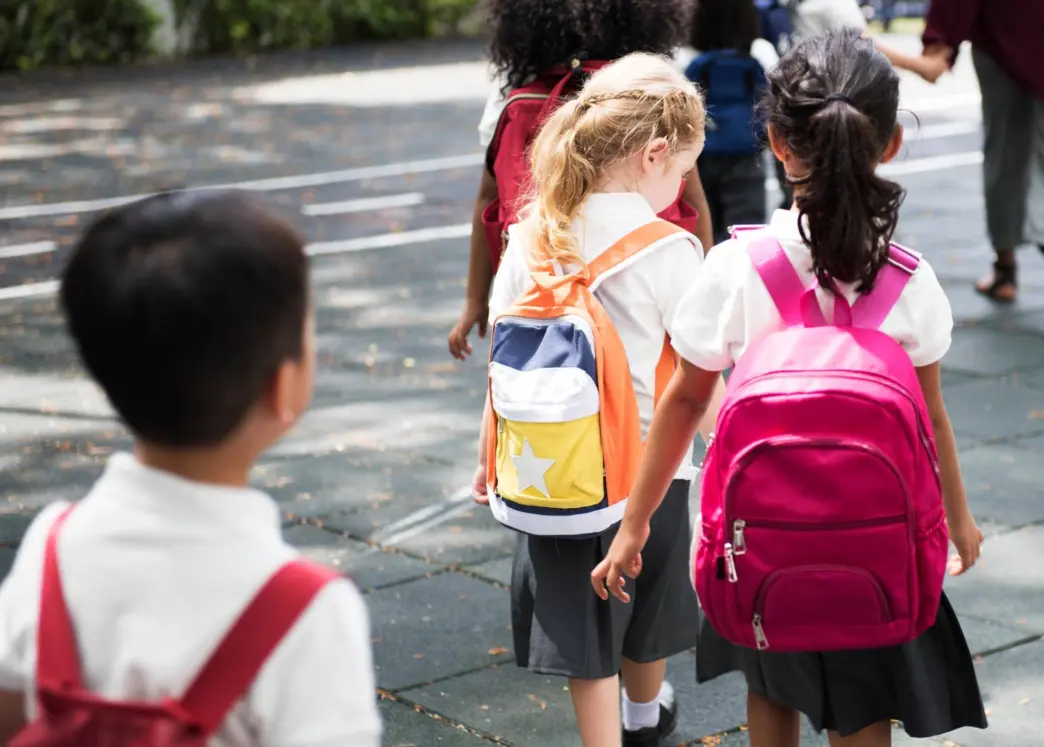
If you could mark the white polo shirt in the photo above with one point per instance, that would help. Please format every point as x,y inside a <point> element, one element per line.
<point>641,299</point>
<point>155,571</point>
<point>729,307</point>
<point>818,17</point>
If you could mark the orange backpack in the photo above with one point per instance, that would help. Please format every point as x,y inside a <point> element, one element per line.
<point>565,435</point>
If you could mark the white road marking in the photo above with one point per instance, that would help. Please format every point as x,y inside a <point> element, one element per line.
<point>458,498</point>
<point>934,163</point>
<point>410,199</point>
<point>28,290</point>
<point>389,240</point>
<point>18,212</point>
<point>943,130</point>
<point>25,250</point>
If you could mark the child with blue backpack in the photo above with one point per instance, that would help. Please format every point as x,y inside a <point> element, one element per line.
<point>832,484</point>
<point>729,67</point>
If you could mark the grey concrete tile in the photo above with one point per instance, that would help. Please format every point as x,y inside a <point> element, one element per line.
<point>496,570</point>
<point>1031,379</point>
<point>706,709</point>
<point>1004,586</point>
<point>1004,483</point>
<point>1013,692</point>
<point>984,351</point>
<point>7,558</point>
<point>1032,323</point>
<point>992,410</point>
<point>437,627</point>
<point>984,635</point>
<point>970,307</point>
<point>810,738</point>
<point>405,727</point>
<point>367,566</point>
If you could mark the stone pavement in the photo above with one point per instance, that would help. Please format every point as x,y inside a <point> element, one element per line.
<point>371,482</point>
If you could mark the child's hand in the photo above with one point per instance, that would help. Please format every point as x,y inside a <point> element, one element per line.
<point>934,63</point>
<point>966,537</point>
<point>479,489</point>
<point>623,559</point>
<point>474,313</point>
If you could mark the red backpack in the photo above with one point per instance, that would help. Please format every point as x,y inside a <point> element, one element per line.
<point>524,112</point>
<point>70,716</point>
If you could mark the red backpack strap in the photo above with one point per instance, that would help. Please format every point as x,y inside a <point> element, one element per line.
<point>260,628</point>
<point>57,656</point>
<point>871,309</point>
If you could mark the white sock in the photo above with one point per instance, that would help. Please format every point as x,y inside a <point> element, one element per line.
<point>645,715</point>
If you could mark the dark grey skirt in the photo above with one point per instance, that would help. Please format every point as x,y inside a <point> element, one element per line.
<point>929,684</point>
<point>561,627</point>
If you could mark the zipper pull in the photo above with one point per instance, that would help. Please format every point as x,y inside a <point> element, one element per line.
<point>739,542</point>
<point>500,426</point>
<point>730,564</point>
<point>759,634</point>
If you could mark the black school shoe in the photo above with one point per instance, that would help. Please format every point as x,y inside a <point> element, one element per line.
<point>653,736</point>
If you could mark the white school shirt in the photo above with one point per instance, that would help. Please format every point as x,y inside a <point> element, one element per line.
<point>729,307</point>
<point>155,570</point>
<point>641,299</point>
<point>818,17</point>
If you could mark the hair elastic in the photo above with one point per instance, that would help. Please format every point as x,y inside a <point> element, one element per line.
<point>838,97</point>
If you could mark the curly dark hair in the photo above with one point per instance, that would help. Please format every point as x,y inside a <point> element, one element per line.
<point>531,37</point>
<point>834,101</point>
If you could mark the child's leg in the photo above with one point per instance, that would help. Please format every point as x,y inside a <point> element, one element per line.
<point>878,735</point>
<point>597,706</point>
<point>772,725</point>
<point>644,691</point>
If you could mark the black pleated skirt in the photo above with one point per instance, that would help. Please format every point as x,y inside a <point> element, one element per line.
<point>929,684</point>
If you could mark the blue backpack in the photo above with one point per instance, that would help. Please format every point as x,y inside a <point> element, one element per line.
<point>731,83</point>
<point>777,22</point>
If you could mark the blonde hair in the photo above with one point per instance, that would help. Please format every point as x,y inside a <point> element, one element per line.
<point>622,108</point>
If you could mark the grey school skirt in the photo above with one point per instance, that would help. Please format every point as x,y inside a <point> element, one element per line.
<point>561,627</point>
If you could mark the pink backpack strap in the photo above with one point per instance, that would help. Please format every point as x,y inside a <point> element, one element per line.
<point>57,656</point>
<point>783,282</point>
<point>236,661</point>
<point>871,309</point>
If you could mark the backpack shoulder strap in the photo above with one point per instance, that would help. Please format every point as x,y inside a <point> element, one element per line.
<point>624,251</point>
<point>781,279</point>
<point>235,663</point>
<point>57,656</point>
<point>872,308</point>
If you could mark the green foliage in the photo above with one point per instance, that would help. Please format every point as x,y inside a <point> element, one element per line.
<point>245,26</point>
<point>34,33</point>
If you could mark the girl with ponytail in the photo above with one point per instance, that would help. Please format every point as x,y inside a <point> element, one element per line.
<point>831,109</point>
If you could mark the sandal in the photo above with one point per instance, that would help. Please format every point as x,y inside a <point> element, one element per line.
<point>996,287</point>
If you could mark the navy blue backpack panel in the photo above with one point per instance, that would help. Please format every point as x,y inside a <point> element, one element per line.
<point>777,22</point>
<point>731,84</point>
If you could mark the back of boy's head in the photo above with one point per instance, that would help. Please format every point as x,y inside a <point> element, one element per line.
<point>622,109</point>
<point>725,24</point>
<point>533,37</point>
<point>834,100</point>
<point>182,307</point>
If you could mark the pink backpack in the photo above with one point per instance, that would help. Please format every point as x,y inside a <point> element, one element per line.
<point>822,514</point>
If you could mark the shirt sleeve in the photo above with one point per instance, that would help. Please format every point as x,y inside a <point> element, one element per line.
<point>678,264</point>
<point>509,281</point>
<point>930,318</point>
<point>491,115</point>
<point>709,320</point>
<point>318,687</point>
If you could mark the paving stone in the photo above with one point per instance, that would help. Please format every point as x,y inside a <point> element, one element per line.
<point>1030,379</point>
<point>706,709</point>
<point>437,627</point>
<point>992,410</point>
<point>810,738</point>
<point>7,557</point>
<point>495,570</point>
<point>1032,323</point>
<point>980,350</point>
<point>1004,586</point>
<point>970,307</point>
<point>984,635</point>
<point>1004,483</point>
<point>1013,693</point>
<point>404,727</point>
<point>367,566</point>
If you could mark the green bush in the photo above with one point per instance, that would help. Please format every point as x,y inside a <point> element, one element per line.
<point>34,33</point>
<point>245,26</point>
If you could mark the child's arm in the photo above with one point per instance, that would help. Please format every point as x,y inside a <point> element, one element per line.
<point>695,196</point>
<point>929,66</point>
<point>964,532</point>
<point>12,715</point>
<point>480,275</point>
<point>680,411</point>
<point>479,489</point>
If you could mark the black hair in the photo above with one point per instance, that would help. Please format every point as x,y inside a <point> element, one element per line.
<point>725,24</point>
<point>834,100</point>
<point>182,307</point>
<point>532,37</point>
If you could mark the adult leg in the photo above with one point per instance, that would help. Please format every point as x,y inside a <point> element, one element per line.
<point>772,725</point>
<point>878,735</point>
<point>1035,203</point>
<point>1007,115</point>
<point>597,706</point>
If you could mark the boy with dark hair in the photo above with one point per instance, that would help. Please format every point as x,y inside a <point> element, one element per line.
<point>191,310</point>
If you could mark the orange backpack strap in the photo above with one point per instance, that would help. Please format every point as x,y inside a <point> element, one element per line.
<point>665,368</point>
<point>236,661</point>
<point>625,250</point>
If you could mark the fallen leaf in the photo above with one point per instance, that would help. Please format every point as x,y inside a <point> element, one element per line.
<point>1035,415</point>
<point>1024,701</point>
<point>418,656</point>
<point>498,651</point>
